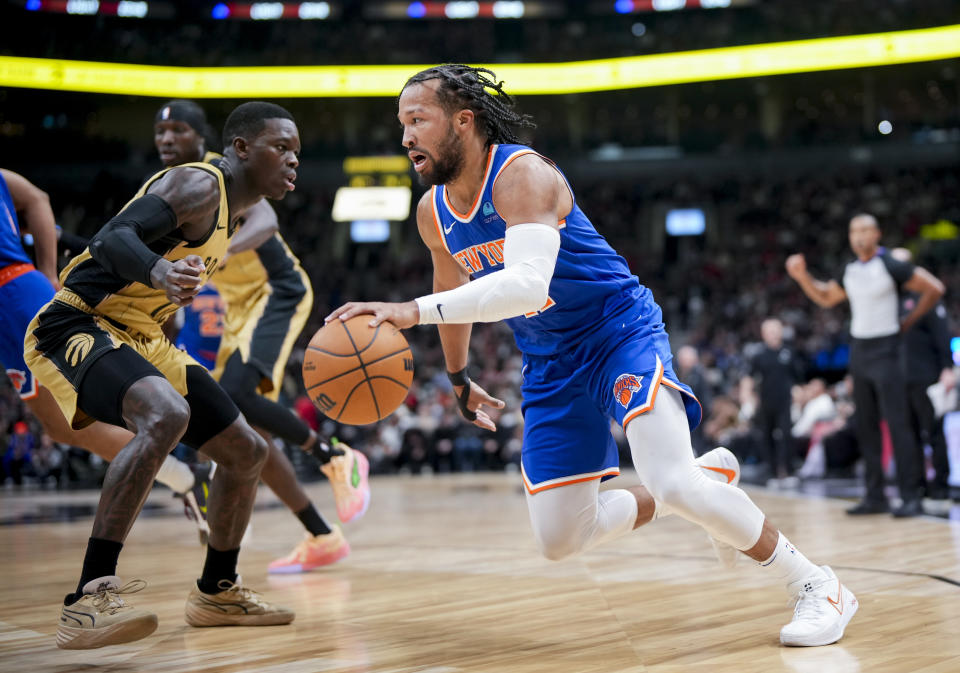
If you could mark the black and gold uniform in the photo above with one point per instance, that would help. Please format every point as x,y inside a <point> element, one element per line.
<point>98,312</point>
<point>268,299</point>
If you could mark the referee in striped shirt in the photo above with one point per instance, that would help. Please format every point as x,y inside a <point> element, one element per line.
<point>872,283</point>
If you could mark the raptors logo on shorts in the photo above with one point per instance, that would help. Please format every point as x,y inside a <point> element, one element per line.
<point>624,388</point>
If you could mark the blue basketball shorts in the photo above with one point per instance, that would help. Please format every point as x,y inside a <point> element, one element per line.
<point>20,299</point>
<point>570,399</point>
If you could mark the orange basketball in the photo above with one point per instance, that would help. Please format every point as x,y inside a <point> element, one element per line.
<point>357,374</point>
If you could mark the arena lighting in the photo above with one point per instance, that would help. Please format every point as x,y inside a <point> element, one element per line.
<point>272,11</point>
<point>638,6</point>
<point>131,9</point>
<point>503,9</point>
<point>909,46</point>
<point>87,7</point>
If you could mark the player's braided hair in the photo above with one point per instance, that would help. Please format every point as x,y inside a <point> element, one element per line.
<point>477,89</point>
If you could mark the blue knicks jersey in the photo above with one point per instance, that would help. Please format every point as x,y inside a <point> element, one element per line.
<point>590,282</point>
<point>11,250</point>
<point>203,326</point>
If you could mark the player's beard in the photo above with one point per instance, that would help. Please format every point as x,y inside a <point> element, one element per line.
<point>447,163</point>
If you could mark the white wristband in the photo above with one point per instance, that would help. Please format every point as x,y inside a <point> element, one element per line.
<point>529,257</point>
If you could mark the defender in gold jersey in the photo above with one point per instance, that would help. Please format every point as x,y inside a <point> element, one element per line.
<point>268,299</point>
<point>99,349</point>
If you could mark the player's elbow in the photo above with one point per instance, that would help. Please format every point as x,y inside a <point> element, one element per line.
<point>531,286</point>
<point>535,292</point>
<point>530,295</point>
<point>39,201</point>
<point>938,289</point>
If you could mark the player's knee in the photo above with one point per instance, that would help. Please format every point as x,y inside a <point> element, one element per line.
<point>557,543</point>
<point>676,492</point>
<point>166,420</point>
<point>259,450</point>
<point>249,450</point>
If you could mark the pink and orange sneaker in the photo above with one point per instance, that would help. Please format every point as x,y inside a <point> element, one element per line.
<point>312,552</point>
<point>348,477</point>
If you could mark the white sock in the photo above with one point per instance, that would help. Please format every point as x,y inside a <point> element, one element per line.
<point>789,564</point>
<point>175,474</point>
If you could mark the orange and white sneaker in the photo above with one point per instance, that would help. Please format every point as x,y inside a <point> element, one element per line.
<point>348,477</point>
<point>312,552</point>
<point>822,611</point>
<point>721,465</point>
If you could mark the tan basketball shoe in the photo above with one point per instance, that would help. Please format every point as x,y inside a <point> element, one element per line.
<point>102,618</point>
<point>235,605</point>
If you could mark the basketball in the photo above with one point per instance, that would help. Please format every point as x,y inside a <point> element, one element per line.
<point>357,374</point>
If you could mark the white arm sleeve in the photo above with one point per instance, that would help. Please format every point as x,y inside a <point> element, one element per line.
<point>529,256</point>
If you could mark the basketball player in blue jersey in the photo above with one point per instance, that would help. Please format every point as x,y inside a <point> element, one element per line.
<point>509,242</point>
<point>23,291</point>
<point>267,299</point>
<point>99,348</point>
<point>202,326</point>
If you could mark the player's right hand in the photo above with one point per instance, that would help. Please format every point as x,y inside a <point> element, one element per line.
<point>180,280</point>
<point>796,266</point>
<point>402,315</point>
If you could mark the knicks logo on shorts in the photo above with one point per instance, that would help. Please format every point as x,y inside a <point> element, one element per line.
<point>17,377</point>
<point>624,388</point>
<point>78,347</point>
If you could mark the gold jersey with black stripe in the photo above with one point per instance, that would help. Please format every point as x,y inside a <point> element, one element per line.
<point>134,305</point>
<point>249,276</point>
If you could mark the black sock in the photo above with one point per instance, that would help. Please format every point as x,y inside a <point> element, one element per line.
<point>220,565</point>
<point>99,561</point>
<point>312,521</point>
<point>323,450</point>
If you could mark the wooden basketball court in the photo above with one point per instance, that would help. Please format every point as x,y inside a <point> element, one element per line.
<point>444,578</point>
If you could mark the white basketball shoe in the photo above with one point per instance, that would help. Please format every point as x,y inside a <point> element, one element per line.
<point>823,609</point>
<point>721,465</point>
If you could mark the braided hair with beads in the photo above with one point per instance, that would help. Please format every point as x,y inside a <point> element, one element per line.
<point>477,89</point>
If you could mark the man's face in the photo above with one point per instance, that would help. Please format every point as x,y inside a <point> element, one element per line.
<point>864,235</point>
<point>273,156</point>
<point>772,333</point>
<point>428,135</point>
<point>177,142</point>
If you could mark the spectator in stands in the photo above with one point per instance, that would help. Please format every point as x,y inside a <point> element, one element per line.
<point>47,461</point>
<point>16,460</point>
<point>814,421</point>
<point>690,371</point>
<point>775,369</point>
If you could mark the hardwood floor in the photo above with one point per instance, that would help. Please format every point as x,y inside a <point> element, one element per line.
<point>444,578</point>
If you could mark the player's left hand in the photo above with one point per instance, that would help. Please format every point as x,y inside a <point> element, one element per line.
<point>477,399</point>
<point>403,315</point>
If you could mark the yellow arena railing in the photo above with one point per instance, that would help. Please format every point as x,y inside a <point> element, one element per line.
<point>779,58</point>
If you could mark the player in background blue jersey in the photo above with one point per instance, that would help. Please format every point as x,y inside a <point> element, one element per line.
<point>201,326</point>
<point>508,242</point>
<point>24,289</point>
